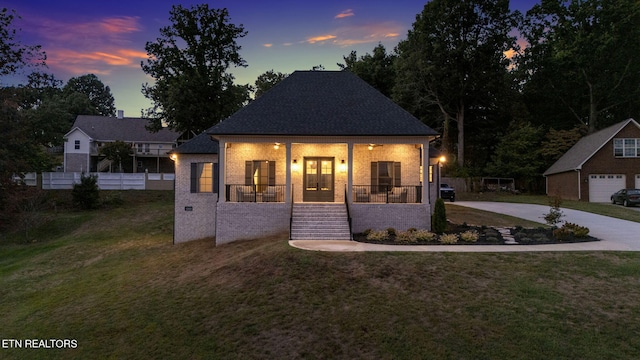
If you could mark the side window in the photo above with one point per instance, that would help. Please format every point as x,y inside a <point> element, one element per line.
<point>204,177</point>
<point>76,144</point>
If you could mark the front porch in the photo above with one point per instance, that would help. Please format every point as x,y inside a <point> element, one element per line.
<point>376,170</point>
<point>378,179</point>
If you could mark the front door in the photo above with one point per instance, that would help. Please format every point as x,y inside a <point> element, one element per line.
<point>318,179</point>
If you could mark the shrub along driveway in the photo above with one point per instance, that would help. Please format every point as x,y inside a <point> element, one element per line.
<point>615,234</point>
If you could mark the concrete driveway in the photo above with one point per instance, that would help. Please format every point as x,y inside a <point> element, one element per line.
<point>615,234</point>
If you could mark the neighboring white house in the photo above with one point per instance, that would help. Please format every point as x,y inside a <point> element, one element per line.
<point>320,155</point>
<point>89,133</point>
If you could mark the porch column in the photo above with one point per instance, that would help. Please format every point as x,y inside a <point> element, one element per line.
<point>349,171</point>
<point>425,173</point>
<point>222,193</point>
<point>287,198</point>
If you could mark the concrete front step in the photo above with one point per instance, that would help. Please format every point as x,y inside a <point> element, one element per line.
<point>320,222</point>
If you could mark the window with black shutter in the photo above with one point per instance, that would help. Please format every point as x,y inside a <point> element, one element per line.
<point>204,177</point>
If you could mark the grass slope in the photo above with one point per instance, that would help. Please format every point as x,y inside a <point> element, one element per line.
<point>117,285</point>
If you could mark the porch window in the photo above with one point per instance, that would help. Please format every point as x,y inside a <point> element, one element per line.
<point>385,175</point>
<point>204,177</point>
<point>260,173</point>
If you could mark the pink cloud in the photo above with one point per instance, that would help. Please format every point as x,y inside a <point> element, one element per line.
<point>98,62</point>
<point>96,46</point>
<point>320,38</point>
<point>360,34</point>
<point>344,14</point>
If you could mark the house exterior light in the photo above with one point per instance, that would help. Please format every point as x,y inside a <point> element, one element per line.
<point>343,167</point>
<point>443,159</point>
<point>294,166</point>
<point>173,157</point>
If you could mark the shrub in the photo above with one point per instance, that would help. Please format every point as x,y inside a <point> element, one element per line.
<point>378,235</point>
<point>391,231</point>
<point>541,237</point>
<point>562,233</point>
<point>492,239</point>
<point>554,216</point>
<point>86,194</point>
<point>449,238</point>
<point>578,231</point>
<point>412,230</point>
<point>469,236</point>
<point>366,232</point>
<point>439,222</point>
<point>424,235</point>
<point>405,237</point>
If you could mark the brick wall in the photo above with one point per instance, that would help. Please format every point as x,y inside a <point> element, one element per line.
<point>245,221</point>
<point>194,213</point>
<point>382,216</point>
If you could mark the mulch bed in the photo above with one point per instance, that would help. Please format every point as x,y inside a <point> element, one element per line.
<point>489,236</point>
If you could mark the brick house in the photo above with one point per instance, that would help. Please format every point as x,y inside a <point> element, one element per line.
<point>321,155</point>
<point>598,165</point>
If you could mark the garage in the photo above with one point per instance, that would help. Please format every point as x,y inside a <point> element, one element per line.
<point>601,186</point>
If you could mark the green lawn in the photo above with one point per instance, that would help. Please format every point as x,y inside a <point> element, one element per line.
<point>116,284</point>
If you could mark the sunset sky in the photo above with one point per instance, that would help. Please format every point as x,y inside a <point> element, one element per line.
<point>107,38</point>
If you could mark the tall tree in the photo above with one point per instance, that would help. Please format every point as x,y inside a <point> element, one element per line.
<point>453,62</point>
<point>13,54</point>
<point>517,154</point>
<point>582,65</point>
<point>99,95</point>
<point>189,62</point>
<point>268,80</point>
<point>376,69</point>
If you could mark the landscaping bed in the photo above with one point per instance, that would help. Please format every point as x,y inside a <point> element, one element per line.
<point>463,234</point>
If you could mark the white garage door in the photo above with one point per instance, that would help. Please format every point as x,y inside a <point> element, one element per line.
<point>637,181</point>
<point>601,186</point>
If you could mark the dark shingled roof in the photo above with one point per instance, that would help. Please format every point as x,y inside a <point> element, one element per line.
<point>104,128</point>
<point>586,147</point>
<point>322,103</point>
<point>201,144</point>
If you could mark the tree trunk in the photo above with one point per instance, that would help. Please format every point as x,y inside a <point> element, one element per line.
<point>593,116</point>
<point>460,120</point>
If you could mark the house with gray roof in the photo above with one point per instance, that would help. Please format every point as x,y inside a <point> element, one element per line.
<point>89,133</point>
<point>321,155</point>
<point>598,165</point>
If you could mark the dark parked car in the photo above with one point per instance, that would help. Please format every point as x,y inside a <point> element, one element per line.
<point>447,192</point>
<point>626,197</point>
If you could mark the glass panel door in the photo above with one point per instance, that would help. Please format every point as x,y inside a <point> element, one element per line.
<point>318,179</point>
